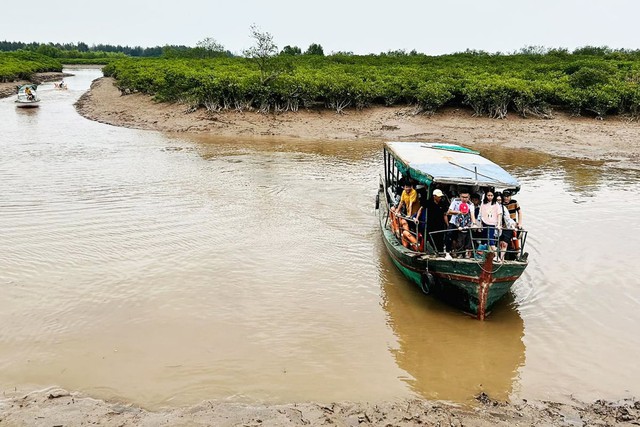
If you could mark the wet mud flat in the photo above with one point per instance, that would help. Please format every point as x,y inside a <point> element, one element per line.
<point>56,407</point>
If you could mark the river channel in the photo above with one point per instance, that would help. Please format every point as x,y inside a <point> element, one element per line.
<point>164,270</point>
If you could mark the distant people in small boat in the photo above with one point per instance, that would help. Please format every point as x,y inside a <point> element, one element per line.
<point>463,217</point>
<point>437,220</point>
<point>491,218</point>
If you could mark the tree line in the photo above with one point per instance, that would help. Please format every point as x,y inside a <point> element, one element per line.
<point>61,50</point>
<point>490,85</point>
<point>596,81</point>
<point>206,48</point>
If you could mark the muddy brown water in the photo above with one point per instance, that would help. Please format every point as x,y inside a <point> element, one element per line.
<point>164,270</point>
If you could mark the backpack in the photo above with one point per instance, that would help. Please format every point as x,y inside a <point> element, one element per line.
<point>464,219</point>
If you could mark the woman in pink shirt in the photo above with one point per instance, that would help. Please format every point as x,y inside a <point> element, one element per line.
<point>491,218</point>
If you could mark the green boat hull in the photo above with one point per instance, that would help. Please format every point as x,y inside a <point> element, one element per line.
<point>472,285</point>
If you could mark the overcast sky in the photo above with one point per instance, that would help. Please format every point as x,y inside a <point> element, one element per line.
<point>360,27</point>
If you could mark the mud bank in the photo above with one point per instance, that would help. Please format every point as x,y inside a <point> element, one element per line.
<point>57,407</point>
<point>616,139</point>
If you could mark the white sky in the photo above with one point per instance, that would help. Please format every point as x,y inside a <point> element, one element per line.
<point>360,27</point>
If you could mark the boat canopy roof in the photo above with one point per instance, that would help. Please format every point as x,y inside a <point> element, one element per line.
<point>22,88</point>
<point>429,162</point>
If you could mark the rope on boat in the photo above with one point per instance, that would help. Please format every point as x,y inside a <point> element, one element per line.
<point>478,173</point>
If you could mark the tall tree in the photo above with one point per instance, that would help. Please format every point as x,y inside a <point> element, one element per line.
<point>210,47</point>
<point>264,54</point>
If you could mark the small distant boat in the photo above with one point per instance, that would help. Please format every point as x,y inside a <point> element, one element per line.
<point>60,85</point>
<point>473,284</point>
<point>27,96</point>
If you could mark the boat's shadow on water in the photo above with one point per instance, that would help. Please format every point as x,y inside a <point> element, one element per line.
<point>447,354</point>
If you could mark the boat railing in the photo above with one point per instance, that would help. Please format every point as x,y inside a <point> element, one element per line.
<point>477,243</point>
<point>412,236</point>
<point>474,239</point>
<point>417,238</point>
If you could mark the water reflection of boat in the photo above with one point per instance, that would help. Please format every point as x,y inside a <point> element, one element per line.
<point>449,356</point>
<point>27,96</point>
<point>472,284</point>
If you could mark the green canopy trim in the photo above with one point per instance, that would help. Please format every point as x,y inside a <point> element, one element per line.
<point>412,173</point>
<point>450,147</point>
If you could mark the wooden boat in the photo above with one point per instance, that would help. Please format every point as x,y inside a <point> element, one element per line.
<point>474,284</point>
<point>27,96</point>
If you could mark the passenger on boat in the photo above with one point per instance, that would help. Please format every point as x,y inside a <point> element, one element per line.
<point>29,94</point>
<point>413,237</point>
<point>437,219</point>
<point>505,233</point>
<point>491,218</point>
<point>515,213</point>
<point>409,203</point>
<point>475,201</point>
<point>462,218</point>
<point>513,221</point>
<point>476,233</point>
<point>407,207</point>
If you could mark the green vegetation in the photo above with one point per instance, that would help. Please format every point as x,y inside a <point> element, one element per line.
<point>21,65</point>
<point>594,82</point>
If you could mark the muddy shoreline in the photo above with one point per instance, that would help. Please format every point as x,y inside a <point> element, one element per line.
<point>616,139</point>
<point>56,407</point>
